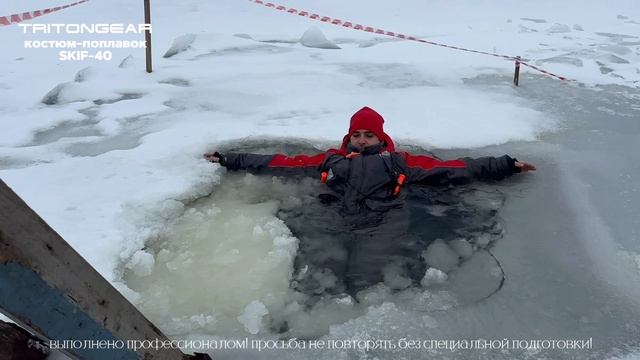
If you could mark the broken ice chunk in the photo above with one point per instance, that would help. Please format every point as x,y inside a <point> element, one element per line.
<point>440,256</point>
<point>252,315</point>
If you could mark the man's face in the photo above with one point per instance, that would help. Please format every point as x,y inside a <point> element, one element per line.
<point>362,138</point>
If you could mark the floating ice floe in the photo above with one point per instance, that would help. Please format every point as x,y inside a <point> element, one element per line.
<point>251,318</point>
<point>433,276</point>
<point>141,263</point>
<point>440,256</point>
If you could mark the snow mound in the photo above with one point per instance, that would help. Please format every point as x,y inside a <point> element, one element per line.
<point>127,62</point>
<point>180,44</point>
<point>314,38</point>
<point>559,29</point>
<point>85,73</point>
<point>57,94</point>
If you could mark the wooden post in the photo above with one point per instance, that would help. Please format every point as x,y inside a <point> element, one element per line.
<point>147,33</point>
<point>516,75</point>
<point>49,289</point>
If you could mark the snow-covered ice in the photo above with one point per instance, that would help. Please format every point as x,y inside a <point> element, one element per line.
<point>110,157</point>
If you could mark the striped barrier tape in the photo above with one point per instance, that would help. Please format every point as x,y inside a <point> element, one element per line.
<point>18,18</point>
<point>373,30</point>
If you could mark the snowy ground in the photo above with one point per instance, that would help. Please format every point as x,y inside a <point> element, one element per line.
<point>109,156</point>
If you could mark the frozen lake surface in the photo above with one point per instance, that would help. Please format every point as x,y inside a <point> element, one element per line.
<point>110,157</point>
<point>569,248</point>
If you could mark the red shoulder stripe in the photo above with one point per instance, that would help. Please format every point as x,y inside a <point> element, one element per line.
<point>427,162</point>
<point>280,160</point>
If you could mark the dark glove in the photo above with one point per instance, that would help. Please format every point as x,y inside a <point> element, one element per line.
<point>223,159</point>
<point>512,166</point>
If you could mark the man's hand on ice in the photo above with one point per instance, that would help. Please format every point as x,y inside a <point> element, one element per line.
<point>213,157</point>
<point>524,167</point>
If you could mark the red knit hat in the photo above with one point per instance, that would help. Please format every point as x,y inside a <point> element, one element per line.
<point>368,119</point>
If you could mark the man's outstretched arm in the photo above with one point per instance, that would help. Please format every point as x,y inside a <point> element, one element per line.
<point>495,168</point>
<point>275,164</point>
<point>431,171</point>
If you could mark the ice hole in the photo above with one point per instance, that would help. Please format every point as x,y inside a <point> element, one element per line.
<point>263,256</point>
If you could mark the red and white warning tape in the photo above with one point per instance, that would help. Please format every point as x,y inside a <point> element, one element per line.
<point>370,29</point>
<point>18,18</point>
<point>545,71</point>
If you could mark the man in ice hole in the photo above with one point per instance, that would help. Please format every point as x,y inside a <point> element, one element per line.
<point>365,179</point>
